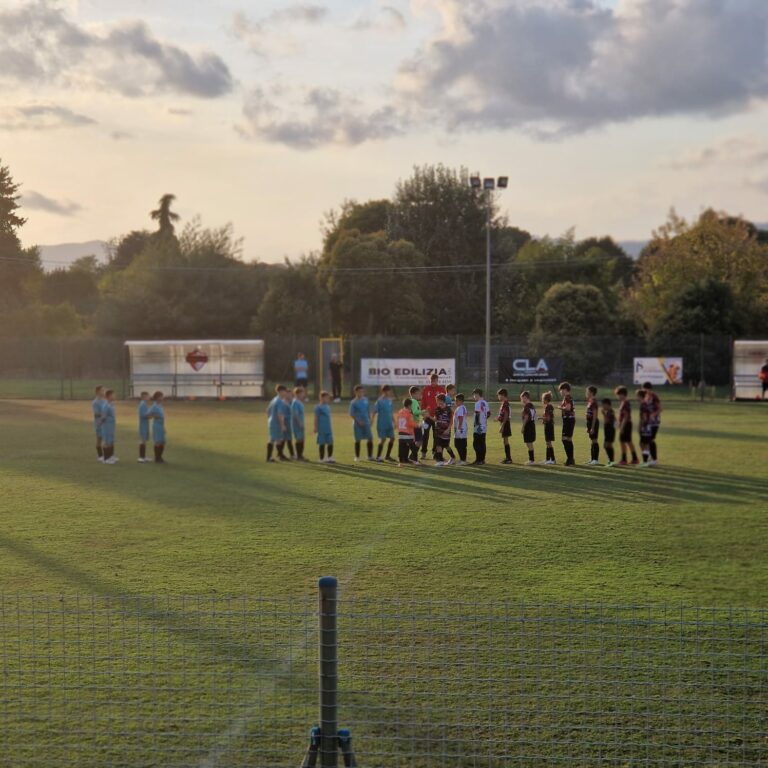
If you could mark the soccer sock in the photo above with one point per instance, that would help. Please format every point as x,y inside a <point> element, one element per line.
<point>370,449</point>
<point>569,450</point>
<point>380,449</point>
<point>390,446</point>
<point>99,451</point>
<point>634,455</point>
<point>357,449</point>
<point>289,443</point>
<point>623,453</point>
<point>162,450</point>
<point>300,448</point>
<point>322,452</point>
<point>609,451</point>
<point>645,450</point>
<point>281,450</point>
<point>330,451</point>
<point>595,451</point>
<point>531,454</point>
<point>508,453</point>
<point>414,452</point>
<point>142,451</point>
<point>450,452</point>
<point>270,450</point>
<point>551,452</point>
<point>653,450</point>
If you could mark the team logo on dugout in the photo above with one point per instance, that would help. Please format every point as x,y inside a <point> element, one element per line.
<point>197,359</point>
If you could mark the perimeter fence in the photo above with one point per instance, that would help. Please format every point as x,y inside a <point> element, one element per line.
<point>119,682</point>
<point>62,368</point>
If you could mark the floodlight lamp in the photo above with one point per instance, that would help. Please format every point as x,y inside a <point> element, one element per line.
<point>474,182</point>
<point>489,184</point>
<point>503,182</point>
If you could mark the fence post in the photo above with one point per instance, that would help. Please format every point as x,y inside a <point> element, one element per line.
<point>329,745</point>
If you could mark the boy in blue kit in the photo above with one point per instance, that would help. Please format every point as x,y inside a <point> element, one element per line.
<point>385,422</point>
<point>144,406</point>
<point>108,426</point>
<point>157,414</point>
<point>361,416</point>
<point>276,424</point>
<point>284,409</point>
<point>450,395</point>
<point>297,421</point>
<point>97,408</point>
<point>323,428</point>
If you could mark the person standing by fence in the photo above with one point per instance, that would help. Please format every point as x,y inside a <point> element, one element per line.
<point>301,371</point>
<point>335,367</point>
<point>97,408</point>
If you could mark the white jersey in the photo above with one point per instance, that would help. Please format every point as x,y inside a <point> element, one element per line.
<point>481,417</point>
<point>460,431</point>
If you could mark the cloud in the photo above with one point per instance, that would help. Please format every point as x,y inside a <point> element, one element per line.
<point>41,117</point>
<point>386,19</point>
<point>318,117</point>
<point>731,151</point>
<point>39,44</point>
<point>38,202</point>
<point>257,34</point>
<point>557,67</point>
<point>121,135</point>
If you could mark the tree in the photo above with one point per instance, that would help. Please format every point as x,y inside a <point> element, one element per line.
<point>366,218</point>
<point>77,287</point>
<point>717,247</point>
<point>127,248</point>
<point>570,318</point>
<point>371,285</point>
<point>10,221</point>
<point>164,216</point>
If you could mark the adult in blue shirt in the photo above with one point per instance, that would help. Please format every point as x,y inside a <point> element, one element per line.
<point>301,370</point>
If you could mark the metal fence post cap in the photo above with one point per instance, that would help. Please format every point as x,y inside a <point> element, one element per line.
<point>327,581</point>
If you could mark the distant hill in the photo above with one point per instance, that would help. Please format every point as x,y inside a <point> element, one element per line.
<point>61,256</point>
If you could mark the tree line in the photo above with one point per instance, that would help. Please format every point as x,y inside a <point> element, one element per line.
<point>410,264</point>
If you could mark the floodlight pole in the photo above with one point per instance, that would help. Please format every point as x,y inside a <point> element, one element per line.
<point>487,292</point>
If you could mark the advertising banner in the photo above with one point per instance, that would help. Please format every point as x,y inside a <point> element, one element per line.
<point>527,370</point>
<point>658,370</point>
<point>404,372</point>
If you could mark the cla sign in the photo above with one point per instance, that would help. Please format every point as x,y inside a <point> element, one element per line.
<point>197,359</point>
<point>523,365</point>
<point>526,370</point>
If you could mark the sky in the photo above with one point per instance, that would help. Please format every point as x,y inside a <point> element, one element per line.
<point>262,114</point>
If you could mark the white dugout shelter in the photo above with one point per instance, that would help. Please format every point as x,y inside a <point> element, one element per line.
<point>206,368</point>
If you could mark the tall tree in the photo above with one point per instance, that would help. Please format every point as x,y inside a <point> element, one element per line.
<point>164,216</point>
<point>10,221</point>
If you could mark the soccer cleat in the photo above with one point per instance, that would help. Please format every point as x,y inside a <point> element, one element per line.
<point>269,461</point>
<point>635,462</point>
<point>357,458</point>
<point>528,463</point>
<point>450,462</point>
<point>611,464</point>
<point>653,462</point>
<point>330,460</point>
<point>570,463</point>
<point>379,459</point>
<point>505,461</point>
<point>623,463</point>
<point>461,463</point>
<point>114,459</point>
<point>391,460</point>
<point>416,462</point>
<point>111,460</point>
<point>370,458</point>
<point>100,459</point>
<point>440,464</point>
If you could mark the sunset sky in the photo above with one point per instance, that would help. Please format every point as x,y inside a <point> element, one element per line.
<point>266,114</point>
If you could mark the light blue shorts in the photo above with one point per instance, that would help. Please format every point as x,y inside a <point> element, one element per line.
<point>363,433</point>
<point>325,438</point>
<point>386,433</point>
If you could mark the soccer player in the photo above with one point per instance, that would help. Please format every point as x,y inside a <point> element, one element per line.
<point>297,421</point>
<point>157,414</point>
<point>625,426</point>
<point>414,393</point>
<point>276,424</point>
<point>548,420</point>
<point>406,429</point>
<point>108,426</point>
<point>645,426</point>
<point>385,422</point>
<point>97,408</point>
<point>145,403</point>
<point>450,395</point>
<point>324,428</point>
<point>505,430</point>
<point>529,426</point>
<point>460,430</point>
<point>428,404</point>
<point>569,421</point>
<point>655,420</point>
<point>609,429</point>
<point>481,427</point>
<point>284,408</point>
<point>443,419</point>
<point>359,411</point>
<point>593,425</point>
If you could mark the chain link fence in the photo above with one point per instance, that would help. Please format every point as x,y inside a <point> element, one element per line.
<point>52,368</point>
<point>211,681</point>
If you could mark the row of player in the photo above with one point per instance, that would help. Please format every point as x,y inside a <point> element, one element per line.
<point>442,413</point>
<point>151,411</point>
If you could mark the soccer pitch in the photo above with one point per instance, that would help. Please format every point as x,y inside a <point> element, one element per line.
<point>154,679</point>
<point>218,518</point>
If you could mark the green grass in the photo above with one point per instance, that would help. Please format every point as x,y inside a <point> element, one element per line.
<point>218,521</point>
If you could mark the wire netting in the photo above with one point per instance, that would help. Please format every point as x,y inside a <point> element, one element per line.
<point>213,681</point>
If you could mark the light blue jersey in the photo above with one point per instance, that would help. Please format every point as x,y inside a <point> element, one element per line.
<point>97,407</point>
<point>448,400</point>
<point>324,428</point>
<point>273,420</point>
<point>144,408</point>
<point>157,412</point>
<point>360,412</point>
<point>285,409</point>
<point>301,369</point>
<point>385,427</point>
<point>109,423</point>
<point>297,419</point>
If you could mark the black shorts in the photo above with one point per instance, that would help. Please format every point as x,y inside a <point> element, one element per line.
<point>654,431</point>
<point>549,431</point>
<point>568,427</point>
<point>443,442</point>
<point>593,431</point>
<point>418,434</point>
<point>506,429</point>
<point>529,432</point>
<point>646,434</point>
<point>609,434</point>
<point>626,433</point>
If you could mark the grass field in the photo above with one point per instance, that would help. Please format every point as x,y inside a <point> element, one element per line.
<point>217,520</point>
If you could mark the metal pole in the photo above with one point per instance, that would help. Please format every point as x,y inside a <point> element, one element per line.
<point>487,293</point>
<point>329,745</point>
